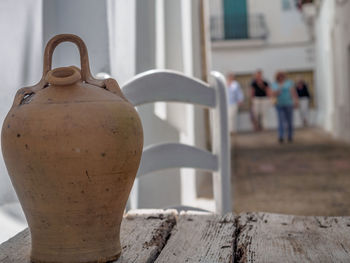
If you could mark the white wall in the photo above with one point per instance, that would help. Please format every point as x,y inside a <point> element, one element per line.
<point>288,47</point>
<point>324,64</point>
<point>136,45</point>
<point>341,40</point>
<point>333,67</point>
<point>20,62</point>
<point>271,58</point>
<point>85,18</point>
<point>20,66</point>
<point>285,26</point>
<point>177,47</point>
<point>288,39</point>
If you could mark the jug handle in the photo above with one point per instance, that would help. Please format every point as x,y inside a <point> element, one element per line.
<point>84,57</point>
<point>109,84</point>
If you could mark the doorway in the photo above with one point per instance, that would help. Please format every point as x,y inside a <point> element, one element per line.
<point>235,19</point>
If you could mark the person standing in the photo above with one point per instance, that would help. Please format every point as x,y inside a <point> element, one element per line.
<point>286,99</point>
<point>304,101</point>
<point>235,97</point>
<point>260,100</point>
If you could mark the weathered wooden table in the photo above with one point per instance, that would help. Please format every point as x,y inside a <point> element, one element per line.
<point>165,236</point>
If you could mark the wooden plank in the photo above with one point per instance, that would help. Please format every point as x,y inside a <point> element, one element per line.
<point>263,237</point>
<point>200,237</point>
<point>143,235</point>
<point>16,249</point>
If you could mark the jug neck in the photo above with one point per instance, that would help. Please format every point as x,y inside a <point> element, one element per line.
<point>63,76</point>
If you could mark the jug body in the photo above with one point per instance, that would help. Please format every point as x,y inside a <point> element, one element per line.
<point>72,146</point>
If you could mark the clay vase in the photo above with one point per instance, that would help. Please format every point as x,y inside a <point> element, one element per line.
<point>72,146</point>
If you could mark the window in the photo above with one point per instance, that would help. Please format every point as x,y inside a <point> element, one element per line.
<point>286,5</point>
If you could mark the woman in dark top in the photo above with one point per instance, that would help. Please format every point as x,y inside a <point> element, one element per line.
<point>259,88</point>
<point>304,101</point>
<point>260,100</point>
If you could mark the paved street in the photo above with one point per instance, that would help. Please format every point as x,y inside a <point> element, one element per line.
<point>309,177</point>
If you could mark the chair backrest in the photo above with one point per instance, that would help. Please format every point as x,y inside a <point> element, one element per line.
<point>171,86</point>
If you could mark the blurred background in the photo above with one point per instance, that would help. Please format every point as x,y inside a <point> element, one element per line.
<point>308,40</point>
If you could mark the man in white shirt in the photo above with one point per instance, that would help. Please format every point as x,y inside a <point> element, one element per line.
<point>235,98</point>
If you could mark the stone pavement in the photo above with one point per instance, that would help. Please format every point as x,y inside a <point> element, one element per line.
<point>308,177</point>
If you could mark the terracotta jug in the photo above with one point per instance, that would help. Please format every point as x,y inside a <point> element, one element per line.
<point>72,146</point>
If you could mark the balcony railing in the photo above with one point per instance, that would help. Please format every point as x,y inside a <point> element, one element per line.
<point>300,3</point>
<point>236,26</point>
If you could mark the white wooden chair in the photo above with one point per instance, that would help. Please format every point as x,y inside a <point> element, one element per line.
<point>170,86</point>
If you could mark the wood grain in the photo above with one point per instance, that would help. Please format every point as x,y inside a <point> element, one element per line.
<point>263,237</point>
<point>16,249</point>
<point>163,236</point>
<point>143,235</point>
<point>200,238</point>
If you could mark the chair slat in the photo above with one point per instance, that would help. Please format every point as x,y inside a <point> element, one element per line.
<point>175,155</point>
<point>168,86</point>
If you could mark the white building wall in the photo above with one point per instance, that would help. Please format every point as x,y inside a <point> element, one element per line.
<point>20,63</point>
<point>85,18</point>
<point>285,26</point>
<point>341,62</point>
<point>20,66</point>
<point>271,58</point>
<point>136,45</point>
<point>165,36</point>
<point>161,188</point>
<point>332,27</point>
<point>324,64</point>
<point>288,47</point>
